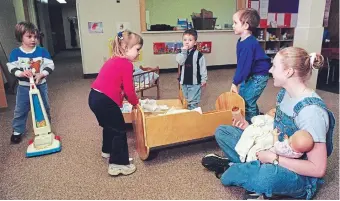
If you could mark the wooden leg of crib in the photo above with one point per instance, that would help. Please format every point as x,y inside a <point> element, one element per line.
<point>158,95</point>
<point>137,122</point>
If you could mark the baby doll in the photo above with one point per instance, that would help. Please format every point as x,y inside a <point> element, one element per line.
<point>256,137</point>
<point>260,135</point>
<point>294,146</point>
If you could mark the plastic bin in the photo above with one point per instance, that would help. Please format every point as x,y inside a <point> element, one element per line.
<point>204,23</point>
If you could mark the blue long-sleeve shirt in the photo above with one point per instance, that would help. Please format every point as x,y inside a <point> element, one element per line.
<point>251,60</point>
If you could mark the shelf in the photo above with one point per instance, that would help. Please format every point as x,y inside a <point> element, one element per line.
<point>278,42</point>
<point>181,31</point>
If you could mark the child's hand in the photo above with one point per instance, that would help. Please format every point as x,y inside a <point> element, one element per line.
<point>234,88</point>
<point>185,47</point>
<point>203,84</point>
<point>26,73</point>
<point>39,77</point>
<point>286,137</point>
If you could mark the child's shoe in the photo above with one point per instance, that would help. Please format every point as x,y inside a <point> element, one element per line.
<point>115,170</point>
<point>16,139</point>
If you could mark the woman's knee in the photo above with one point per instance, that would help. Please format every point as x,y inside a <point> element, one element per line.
<point>224,132</point>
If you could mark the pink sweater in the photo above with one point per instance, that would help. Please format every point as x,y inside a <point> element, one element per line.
<point>115,79</point>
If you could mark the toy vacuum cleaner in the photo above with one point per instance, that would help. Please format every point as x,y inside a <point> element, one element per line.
<point>44,141</point>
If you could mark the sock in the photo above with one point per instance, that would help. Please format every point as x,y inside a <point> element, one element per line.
<point>16,133</point>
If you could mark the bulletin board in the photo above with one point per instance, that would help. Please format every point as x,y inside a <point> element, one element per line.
<point>279,12</point>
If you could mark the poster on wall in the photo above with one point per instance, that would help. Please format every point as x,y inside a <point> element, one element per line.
<point>95,27</point>
<point>204,47</point>
<point>175,47</point>
<point>275,13</point>
<point>121,26</point>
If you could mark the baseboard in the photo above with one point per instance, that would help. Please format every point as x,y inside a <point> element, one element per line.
<point>90,76</point>
<point>173,70</point>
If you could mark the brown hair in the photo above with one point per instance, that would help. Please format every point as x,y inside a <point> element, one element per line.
<point>249,16</point>
<point>22,27</point>
<point>191,32</point>
<point>299,60</point>
<point>125,40</point>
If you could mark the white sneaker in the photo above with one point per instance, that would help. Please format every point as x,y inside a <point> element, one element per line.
<point>107,155</point>
<point>115,170</point>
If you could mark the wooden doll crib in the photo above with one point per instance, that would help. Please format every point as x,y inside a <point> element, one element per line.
<point>154,130</point>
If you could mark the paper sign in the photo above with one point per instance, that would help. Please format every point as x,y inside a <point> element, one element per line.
<point>255,5</point>
<point>264,4</point>
<point>280,19</point>
<point>293,20</point>
<point>271,18</point>
<point>95,27</point>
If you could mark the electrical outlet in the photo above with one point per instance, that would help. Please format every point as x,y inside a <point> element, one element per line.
<point>118,1</point>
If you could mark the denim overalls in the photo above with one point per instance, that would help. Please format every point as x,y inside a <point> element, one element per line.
<point>269,178</point>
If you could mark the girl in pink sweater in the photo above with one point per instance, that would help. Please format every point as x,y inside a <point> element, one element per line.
<point>113,83</point>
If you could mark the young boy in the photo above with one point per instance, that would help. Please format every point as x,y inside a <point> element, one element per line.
<point>193,70</point>
<point>22,61</point>
<point>252,63</point>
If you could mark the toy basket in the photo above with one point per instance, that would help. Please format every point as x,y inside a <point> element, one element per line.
<point>200,23</point>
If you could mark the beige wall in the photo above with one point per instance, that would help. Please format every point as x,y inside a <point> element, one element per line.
<point>7,38</point>
<point>19,10</point>
<point>95,46</point>
<point>223,48</point>
<point>309,30</point>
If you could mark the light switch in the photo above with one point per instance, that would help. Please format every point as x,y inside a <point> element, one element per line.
<point>118,1</point>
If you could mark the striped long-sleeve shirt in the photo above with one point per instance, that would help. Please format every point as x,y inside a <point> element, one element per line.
<point>193,67</point>
<point>38,58</point>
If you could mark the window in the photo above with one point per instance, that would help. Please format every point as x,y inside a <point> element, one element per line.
<point>168,11</point>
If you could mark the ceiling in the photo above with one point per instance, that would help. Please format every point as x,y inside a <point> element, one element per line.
<point>69,2</point>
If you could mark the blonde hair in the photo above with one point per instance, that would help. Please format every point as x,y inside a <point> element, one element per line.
<point>123,41</point>
<point>302,62</point>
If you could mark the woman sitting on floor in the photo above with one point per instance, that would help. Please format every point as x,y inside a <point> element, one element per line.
<point>298,108</point>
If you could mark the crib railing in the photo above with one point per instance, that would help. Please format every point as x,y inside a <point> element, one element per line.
<point>147,80</point>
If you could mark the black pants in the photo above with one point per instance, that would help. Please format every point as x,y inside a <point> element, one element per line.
<point>110,117</point>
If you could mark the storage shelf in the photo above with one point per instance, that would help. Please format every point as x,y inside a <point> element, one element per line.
<point>274,45</point>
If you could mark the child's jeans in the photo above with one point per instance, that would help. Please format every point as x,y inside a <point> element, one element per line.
<point>251,90</point>
<point>22,106</point>
<point>192,94</point>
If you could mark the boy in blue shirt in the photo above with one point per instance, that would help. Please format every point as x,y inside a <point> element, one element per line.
<point>22,60</point>
<point>252,72</point>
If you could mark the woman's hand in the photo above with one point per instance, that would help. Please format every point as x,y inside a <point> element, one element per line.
<point>266,156</point>
<point>242,124</point>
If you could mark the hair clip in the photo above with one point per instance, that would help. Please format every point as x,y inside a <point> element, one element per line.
<point>120,35</point>
<point>312,57</point>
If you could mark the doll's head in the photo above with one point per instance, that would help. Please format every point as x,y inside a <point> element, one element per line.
<point>301,141</point>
